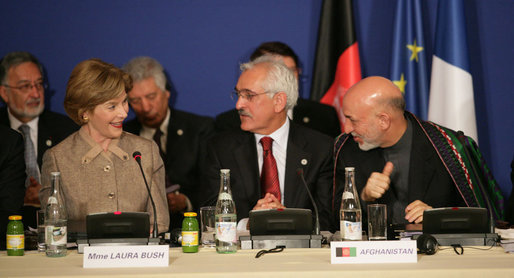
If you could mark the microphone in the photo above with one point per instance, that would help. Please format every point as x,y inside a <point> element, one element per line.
<point>137,157</point>
<point>462,139</point>
<point>299,171</point>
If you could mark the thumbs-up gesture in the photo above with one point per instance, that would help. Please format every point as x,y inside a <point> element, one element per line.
<point>378,184</point>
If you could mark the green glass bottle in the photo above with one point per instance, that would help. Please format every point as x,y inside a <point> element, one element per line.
<point>190,233</point>
<point>15,236</point>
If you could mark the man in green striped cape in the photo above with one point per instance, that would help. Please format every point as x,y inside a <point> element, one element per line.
<point>409,164</point>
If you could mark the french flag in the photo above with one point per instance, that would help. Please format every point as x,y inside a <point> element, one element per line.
<point>451,101</point>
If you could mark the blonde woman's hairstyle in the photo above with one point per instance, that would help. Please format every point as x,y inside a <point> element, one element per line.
<point>93,82</point>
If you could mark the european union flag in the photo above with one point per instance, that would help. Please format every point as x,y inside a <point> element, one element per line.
<point>409,70</point>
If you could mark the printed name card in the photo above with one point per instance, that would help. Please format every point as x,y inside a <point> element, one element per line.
<point>126,256</point>
<point>381,251</point>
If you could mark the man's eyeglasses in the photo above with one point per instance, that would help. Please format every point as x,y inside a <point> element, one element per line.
<point>246,94</point>
<point>27,87</point>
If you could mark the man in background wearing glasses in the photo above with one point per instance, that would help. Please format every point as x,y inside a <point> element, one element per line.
<point>265,155</point>
<point>22,88</point>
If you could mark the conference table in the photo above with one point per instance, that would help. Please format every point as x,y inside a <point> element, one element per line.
<point>291,262</point>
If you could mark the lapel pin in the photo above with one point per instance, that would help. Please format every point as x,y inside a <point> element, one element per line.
<point>306,120</point>
<point>304,162</point>
<point>48,143</point>
<point>180,132</point>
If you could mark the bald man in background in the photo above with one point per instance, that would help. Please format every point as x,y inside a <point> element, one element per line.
<point>399,160</point>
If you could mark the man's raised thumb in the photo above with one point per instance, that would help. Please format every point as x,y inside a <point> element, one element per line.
<point>388,169</point>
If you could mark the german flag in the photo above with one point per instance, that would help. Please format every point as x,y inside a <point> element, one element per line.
<point>337,65</point>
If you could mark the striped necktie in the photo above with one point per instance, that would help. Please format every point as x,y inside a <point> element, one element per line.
<point>30,156</point>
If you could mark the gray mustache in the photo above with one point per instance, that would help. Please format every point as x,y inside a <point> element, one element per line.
<point>244,113</point>
<point>35,100</point>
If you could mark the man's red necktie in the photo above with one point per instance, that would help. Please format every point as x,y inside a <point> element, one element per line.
<point>269,173</point>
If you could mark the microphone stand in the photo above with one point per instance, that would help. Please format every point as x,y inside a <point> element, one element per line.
<point>137,157</point>
<point>299,171</point>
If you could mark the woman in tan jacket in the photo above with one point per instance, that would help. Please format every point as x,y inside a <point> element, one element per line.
<point>98,172</point>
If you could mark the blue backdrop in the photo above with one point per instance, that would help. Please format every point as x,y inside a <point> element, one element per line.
<point>200,43</point>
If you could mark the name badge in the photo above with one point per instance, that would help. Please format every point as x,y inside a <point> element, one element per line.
<point>381,251</point>
<point>126,256</point>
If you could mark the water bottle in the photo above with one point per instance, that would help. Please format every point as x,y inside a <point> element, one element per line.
<point>226,220</point>
<point>56,220</point>
<point>350,213</point>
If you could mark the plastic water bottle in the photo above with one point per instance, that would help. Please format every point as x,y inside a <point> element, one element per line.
<point>56,220</point>
<point>226,219</point>
<point>350,213</point>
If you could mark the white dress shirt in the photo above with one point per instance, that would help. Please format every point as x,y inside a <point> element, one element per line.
<point>279,149</point>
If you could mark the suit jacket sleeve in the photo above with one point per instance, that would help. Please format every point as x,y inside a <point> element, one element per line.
<point>323,191</point>
<point>12,178</point>
<point>12,173</point>
<point>210,177</point>
<point>191,188</point>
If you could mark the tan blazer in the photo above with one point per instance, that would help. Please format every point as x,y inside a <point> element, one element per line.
<point>97,181</point>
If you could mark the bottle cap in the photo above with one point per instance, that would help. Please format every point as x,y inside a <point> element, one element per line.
<point>225,171</point>
<point>189,214</point>
<point>15,217</point>
<point>349,168</point>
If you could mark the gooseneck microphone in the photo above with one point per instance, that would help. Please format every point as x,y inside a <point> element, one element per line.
<point>462,139</point>
<point>137,157</point>
<point>299,171</point>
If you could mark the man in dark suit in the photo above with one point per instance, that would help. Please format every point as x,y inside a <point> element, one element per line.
<point>266,153</point>
<point>23,90</point>
<point>180,135</point>
<point>12,181</point>
<point>396,159</point>
<point>315,115</point>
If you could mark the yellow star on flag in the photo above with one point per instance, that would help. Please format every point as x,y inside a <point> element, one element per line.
<point>415,50</point>
<point>401,83</point>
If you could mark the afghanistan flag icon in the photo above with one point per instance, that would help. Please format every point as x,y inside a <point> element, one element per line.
<point>346,252</point>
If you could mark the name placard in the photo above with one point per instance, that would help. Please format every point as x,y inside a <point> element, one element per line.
<point>382,251</point>
<point>126,256</point>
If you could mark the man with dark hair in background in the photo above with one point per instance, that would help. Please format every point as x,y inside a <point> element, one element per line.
<point>22,88</point>
<point>180,135</point>
<point>315,115</point>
